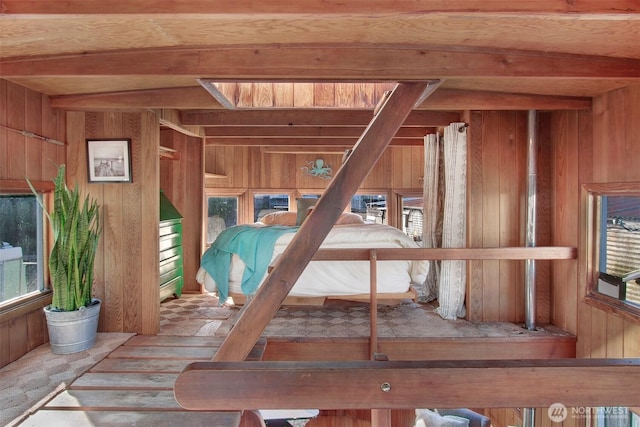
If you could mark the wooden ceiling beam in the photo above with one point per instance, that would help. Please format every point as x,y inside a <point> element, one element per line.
<point>454,99</point>
<point>338,62</point>
<point>291,142</point>
<point>197,98</point>
<point>300,117</point>
<point>275,149</point>
<point>305,132</point>
<point>324,7</point>
<point>410,384</point>
<point>177,98</point>
<point>171,119</point>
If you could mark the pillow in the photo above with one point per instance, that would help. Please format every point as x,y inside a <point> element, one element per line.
<point>302,205</point>
<point>279,218</point>
<point>349,218</point>
<point>427,418</point>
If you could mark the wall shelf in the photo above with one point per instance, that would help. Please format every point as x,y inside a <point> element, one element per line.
<point>214,175</point>
<point>168,153</point>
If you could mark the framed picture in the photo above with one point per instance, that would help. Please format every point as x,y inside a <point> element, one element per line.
<point>109,160</point>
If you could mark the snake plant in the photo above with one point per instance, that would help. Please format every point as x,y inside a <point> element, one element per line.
<point>76,231</point>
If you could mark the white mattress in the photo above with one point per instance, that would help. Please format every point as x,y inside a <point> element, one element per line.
<point>322,278</point>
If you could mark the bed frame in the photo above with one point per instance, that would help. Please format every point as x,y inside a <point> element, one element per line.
<point>383,298</point>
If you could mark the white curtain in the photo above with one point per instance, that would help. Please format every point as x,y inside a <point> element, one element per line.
<point>431,212</point>
<point>451,280</point>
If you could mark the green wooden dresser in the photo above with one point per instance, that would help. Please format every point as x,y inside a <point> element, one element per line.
<point>171,261</point>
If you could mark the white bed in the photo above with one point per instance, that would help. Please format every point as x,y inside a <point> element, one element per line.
<point>341,279</point>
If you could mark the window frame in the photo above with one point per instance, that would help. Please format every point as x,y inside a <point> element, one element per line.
<point>291,200</point>
<point>42,297</point>
<point>401,221</point>
<point>246,202</point>
<point>222,192</point>
<point>592,217</point>
<point>374,192</point>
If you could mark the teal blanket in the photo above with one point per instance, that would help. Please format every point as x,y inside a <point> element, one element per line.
<point>254,246</point>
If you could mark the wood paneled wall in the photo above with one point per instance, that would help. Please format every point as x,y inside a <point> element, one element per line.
<point>571,138</point>
<point>597,147</point>
<point>126,271</point>
<point>127,261</point>
<point>182,182</point>
<point>612,156</point>
<point>23,109</point>
<point>497,167</point>
<point>399,168</point>
<point>503,417</point>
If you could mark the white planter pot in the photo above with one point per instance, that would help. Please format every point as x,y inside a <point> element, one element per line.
<point>73,331</point>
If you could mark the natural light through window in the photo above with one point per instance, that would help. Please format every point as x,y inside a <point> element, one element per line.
<point>222,212</point>
<point>613,213</point>
<point>20,246</point>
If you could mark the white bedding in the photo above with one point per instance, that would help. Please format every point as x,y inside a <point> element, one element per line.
<point>323,278</point>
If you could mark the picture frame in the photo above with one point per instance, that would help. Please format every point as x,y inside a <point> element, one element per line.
<point>109,160</point>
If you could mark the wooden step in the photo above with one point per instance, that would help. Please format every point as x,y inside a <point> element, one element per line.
<point>133,385</point>
<point>131,418</point>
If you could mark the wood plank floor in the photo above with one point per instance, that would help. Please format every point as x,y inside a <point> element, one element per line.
<point>134,386</point>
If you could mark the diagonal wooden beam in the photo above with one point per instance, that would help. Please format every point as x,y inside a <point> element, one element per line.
<point>409,384</point>
<point>257,314</point>
<point>217,94</point>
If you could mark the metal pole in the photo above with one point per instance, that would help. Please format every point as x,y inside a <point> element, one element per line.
<point>530,266</point>
<point>529,414</point>
<point>528,417</point>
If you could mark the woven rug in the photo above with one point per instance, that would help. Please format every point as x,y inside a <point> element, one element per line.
<point>194,315</point>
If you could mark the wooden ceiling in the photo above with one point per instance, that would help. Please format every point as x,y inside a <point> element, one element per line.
<point>318,54</point>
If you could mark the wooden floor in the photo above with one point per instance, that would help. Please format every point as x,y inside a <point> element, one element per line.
<point>134,386</point>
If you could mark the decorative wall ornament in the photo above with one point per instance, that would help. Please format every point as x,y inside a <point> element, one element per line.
<point>318,168</point>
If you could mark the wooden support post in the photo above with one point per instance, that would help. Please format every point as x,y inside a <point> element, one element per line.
<point>373,304</point>
<point>369,148</point>
<point>251,419</point>
<point>380,418</point>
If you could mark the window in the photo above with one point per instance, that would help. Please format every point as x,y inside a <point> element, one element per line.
<point>620,247</point>
<point>412,217</point>
<point>372,207</point>
<point>614,236</point>
<point>266,203</point>
<point>21,246</point>
<point>222,212</point>
<point>612,416</point>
